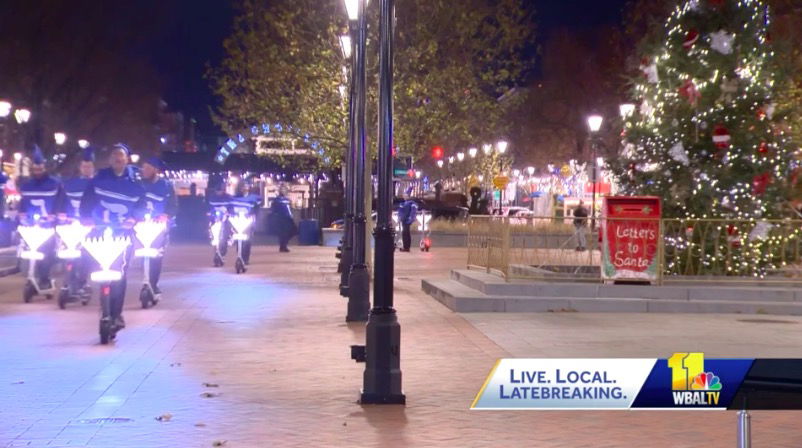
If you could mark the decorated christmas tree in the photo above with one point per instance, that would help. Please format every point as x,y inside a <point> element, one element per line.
<point>709,135</point>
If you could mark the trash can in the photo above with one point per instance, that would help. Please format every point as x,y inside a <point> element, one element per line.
<point>309,232</point>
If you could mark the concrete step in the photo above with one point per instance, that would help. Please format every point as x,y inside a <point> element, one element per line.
<point>460,298</point>
<point>493,285</point>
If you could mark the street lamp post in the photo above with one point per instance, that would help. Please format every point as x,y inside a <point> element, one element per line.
<point>382,378</point>
<point>347,256</point>
<point>359,278</point>
<point>594,123</point>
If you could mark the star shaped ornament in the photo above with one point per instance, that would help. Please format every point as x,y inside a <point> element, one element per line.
<point>722,41</point>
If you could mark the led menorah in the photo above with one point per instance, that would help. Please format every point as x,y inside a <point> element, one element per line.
<point>217,228</point>
<point>71,236</point>
<point>240,223</point>
<point>105,250</point>
<point>423,219</point>
<point>146,232</point>
<point>34,237</point>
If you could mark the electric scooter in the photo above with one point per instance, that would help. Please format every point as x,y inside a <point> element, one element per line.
<point>216,233</point>
<point>108,251</point>
<point>33,236</point>
<point>71,234</point>
<point>241,224</point>
<point>423,219</point>
<point>147,233</point>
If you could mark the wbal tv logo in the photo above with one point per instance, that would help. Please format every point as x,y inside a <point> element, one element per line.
<point>690,384</point>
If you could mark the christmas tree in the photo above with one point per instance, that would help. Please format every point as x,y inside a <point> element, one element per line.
<point>709,136</point>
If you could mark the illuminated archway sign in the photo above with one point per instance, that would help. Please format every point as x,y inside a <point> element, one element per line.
<point>271,140</point>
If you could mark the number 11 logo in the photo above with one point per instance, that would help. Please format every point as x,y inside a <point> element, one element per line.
<point>684,368</point>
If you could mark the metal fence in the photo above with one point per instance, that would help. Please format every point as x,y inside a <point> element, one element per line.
<point>705,250</point>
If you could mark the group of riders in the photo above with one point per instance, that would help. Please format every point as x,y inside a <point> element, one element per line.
<point>111,203</point>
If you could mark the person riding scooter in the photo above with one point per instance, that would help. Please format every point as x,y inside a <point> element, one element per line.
<point>116,200</point>
<point>246,202</point>
<point>74,189</point>
<point>219,203</point>
<point>161,204</point>
<point>41,199</point>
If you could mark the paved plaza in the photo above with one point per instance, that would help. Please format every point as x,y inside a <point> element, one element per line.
<point>262,360</point>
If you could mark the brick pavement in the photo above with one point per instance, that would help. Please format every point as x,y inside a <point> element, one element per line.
<point>274,345</point>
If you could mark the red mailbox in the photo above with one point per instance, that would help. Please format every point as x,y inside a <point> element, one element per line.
<point>630,229</point>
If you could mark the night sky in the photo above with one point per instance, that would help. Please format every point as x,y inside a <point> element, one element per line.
<point>194,32</point>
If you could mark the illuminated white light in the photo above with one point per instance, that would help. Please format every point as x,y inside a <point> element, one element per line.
<point>352,8</point>
<point>472,152</point>
<point>105,250</point>
<point>31,255</point>
<point>345,43</point>
<point>240,223</point>
<point>68,254</point>
<point>501,146</point>
<point>423,219</point>
<point>106,276</point>
<point>216,230</point>
<point>60,138</point>
<point>83,143</point>
<point>5,109</point>
<point>460,156</point>
<point>71,236</point>
<point>146,232</point>
<point>531,170</point>
<point>134,158</point>
<point>22,115</point>
<point>146,252</point>
<point>440,163</point>
<point>487,148</point>
<point>35,236</point>
<point>240,237</point>
<point>595,122</point>
<point>627,110</point>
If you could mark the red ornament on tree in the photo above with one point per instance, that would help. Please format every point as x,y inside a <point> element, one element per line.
<point>733,236</point>
<point>760,183</point>
<point>690,39</point>
<point>690,92</point>
<point>763,148</point>
<point>717,3</point>
<point>721,136</point>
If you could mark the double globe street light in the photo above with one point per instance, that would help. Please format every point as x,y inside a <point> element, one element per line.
<point>382,376</point>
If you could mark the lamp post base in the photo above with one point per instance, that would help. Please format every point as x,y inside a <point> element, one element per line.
<point>358,294</point>
<point>382,378</point>
<point>346,261</point>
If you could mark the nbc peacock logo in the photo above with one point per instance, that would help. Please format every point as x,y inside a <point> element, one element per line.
<point>691,385</point>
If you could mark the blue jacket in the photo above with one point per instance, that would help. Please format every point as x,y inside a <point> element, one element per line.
<point>110,198</point>
<point>281,207</point>
<point>408,212</point>
<point>218,202</point>
<point>43,196</point>
<point>74,190</point>
<point>160,197</point>
<point>244,204</point>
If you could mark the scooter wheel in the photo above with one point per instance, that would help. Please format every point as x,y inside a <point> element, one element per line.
<point>28,292</point>
<point>145,297</point>
<point>63,298</point>
<point>240,267</point>
<point>105,332</point>
<point>427,249</point>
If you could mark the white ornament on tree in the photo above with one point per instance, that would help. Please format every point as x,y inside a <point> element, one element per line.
<point>760,231</point>
<point>721,41</point>
<point>646,109</point>
<point>770,109</point>
<point>678,153</point>
<point>650,71</point>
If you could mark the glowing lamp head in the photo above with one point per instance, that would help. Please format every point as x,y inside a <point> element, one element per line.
<point>531,170</point>
<point>60,138</point>
<point>22,115</point>
<point>460,156</point>
<point>595,123</point>
<point>501,146</point>
<point>487,148</point>
<point>473,152</point>
<point>5,109</point>
<point>626,110</point>
<point>439,163</point>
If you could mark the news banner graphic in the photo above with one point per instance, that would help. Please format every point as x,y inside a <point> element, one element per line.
<point>683,381</point>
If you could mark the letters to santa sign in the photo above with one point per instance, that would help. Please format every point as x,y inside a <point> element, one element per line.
<point>630,238</point>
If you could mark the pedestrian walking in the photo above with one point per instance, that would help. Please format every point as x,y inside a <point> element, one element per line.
<point>282,223</point>
<point>407,215</point>
<point>580,223</point>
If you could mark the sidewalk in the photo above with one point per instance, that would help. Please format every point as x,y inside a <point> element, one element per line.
<point>262,360</point>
